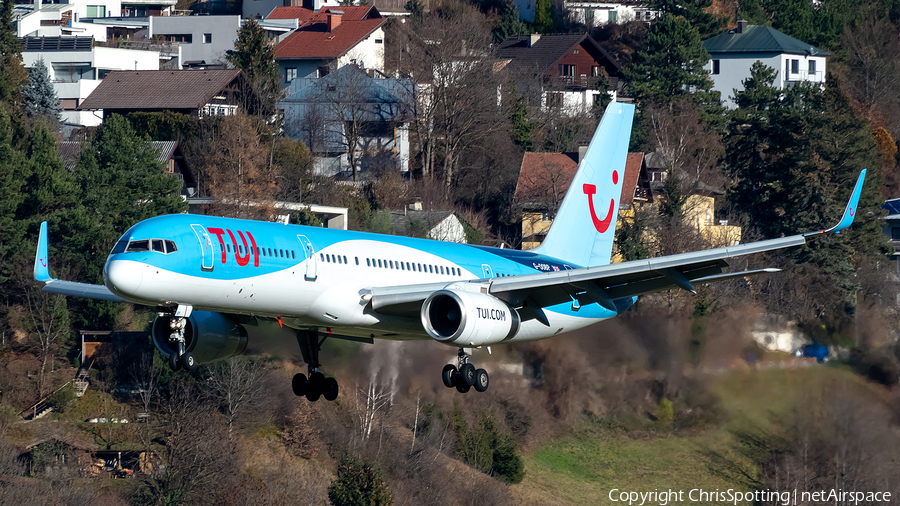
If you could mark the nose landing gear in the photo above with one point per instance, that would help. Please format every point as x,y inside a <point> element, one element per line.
<point>317,385</point>
<point>465,376</point>
<point>178,321</point>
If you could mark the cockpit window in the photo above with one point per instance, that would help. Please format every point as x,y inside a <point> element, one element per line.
<point>119,247</point>
<point>142,245</point>
<point>163,246</point>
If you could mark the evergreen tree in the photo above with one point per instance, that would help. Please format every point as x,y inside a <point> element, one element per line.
<point>12,73</point>
<point>359,483</point>
<point>511,24</point>
<point>254,55</point>
<point>14,171</point>
<point>543,16</point>
<point>416,10</point>
<point>38,96</point>
<point>51,189</point>
<point>795,154</point>
<point>672,65</point>
<point>695,12</point>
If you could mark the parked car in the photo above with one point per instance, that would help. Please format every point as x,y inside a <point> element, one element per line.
<point>817,351</point>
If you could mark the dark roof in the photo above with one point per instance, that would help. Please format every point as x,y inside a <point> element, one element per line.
<point>759,39</point>
<point>158,89</point>
<point>304,15</point>
<point>546,51</point>
<point>401,219</point>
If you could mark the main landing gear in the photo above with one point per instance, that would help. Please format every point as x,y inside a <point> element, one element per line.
<point>317,385</point>
<point>178,321</point>
<point>465,376</point>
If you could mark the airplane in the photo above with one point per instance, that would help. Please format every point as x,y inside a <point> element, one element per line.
<point>218,283</point>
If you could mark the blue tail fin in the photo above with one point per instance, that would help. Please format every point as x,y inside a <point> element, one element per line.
<point>585,225</point>
<point>41,269</point>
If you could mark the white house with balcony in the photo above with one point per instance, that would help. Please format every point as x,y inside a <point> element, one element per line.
<point>734,52</point>
<point>77,67</point>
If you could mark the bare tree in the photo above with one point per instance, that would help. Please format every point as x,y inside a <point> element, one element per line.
<point>235,386</point>
<point>145,375</point>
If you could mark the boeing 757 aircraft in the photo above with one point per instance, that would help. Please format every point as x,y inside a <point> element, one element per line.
<point>219,282</point>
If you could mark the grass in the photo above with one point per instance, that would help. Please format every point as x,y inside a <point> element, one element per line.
<point>583,467</point>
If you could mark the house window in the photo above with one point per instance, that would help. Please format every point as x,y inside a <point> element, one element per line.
<point>290,74</point>
<point>812,67</point>
<point>554,99</point>
<point>589,17</point>
<point>613,16</point>
<point>567,70</point>
<point>207,38</point>
<point>895,233</point>
<point>715,67</point>
<point>379,41</point>
<point>795,66</point>
<point>595,71</point>
<point>95,11</point>
<point>322,71</point>
<point>575,51</point>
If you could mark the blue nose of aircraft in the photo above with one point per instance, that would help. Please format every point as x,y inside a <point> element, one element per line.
<point>123,277</point>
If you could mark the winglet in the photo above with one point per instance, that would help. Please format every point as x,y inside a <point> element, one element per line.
<point>849,211</point>
<point>41,260</point>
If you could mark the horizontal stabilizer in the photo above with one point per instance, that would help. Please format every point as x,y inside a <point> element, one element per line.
<point>42,274</point>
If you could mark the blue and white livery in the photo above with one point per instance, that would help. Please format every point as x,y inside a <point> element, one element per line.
<point>220,282</point>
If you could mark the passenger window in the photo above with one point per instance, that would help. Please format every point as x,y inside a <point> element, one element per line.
<point>142,245</point>
<point>367,263</point>
<point>270,251</point>
<point>379,262</point>
<point>357,260</point>
<point>420,267</point>
<point>442,269</point>
<point>391,263</point>
<point>431,269</point>
<point>281,253</point>
<point>321,256</point>
<point>402,266</point>
<point>345,260</point>
<point>293,254</point>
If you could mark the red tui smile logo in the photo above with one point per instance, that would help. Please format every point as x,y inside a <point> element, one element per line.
<point>589,190</point>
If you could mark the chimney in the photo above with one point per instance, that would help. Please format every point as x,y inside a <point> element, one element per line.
<point>582,150</point>
<point>334,19</point>
<point>742,26</point>
<point>533,38</point>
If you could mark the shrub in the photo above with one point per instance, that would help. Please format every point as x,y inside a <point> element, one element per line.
<point>665,414</point>
<point>359,483</point>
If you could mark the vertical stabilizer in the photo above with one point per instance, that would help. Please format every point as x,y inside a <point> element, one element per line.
<point>585,225</point>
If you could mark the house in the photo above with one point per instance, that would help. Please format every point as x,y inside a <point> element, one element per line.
<point>77,67</point>
<point>437,225</point>
<point>328,40</point>
<point>544,179</point>
<point>891,227</point>
<point>346,110</point>
<point>330,216</point>
<point>194,92</point>
<point>564,70</point>
<point>52,20</point>
<point>735,51</point>
<point>170,154</point>
<point>593,12</point>
<point>145,8</point>
<point>200,41</point>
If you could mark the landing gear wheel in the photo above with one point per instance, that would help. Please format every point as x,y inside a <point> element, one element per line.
<point>461,388</point>
<point>467,374</point>
<point>298,384</point>
<point>481,380</point>
<point>314,387</point>
<point>448,375</point>
<point>174,363</point>
<point>187,361</point>
<point>330,389</point>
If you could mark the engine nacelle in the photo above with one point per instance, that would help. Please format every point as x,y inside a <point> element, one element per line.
<point>461,318</point>
<point>208,336</point>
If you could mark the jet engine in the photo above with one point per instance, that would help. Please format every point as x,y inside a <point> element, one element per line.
<point>461,318</point>
<point>208,336</point>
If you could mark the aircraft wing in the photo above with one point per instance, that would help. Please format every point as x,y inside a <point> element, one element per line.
<point>42,274</point>
<point>604,284</point>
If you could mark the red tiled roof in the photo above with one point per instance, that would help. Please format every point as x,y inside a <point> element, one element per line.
<point>629,182</point>
<point>315,41</point>
<point>545,177</point>
<point>351,13</point>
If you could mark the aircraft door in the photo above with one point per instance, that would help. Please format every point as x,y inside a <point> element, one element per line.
<point>206,247</point>
<point>310,253</point>
<point>488,272</point>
